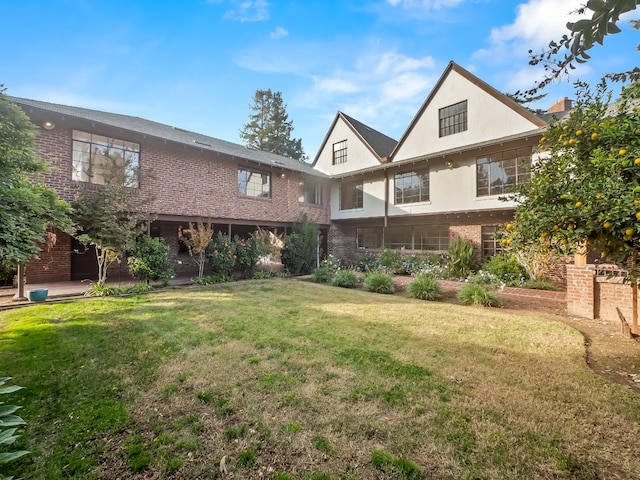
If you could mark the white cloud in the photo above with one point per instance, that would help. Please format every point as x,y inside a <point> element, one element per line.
<point>279,32</point>
<point>248,11</point>
<point>424,4</point>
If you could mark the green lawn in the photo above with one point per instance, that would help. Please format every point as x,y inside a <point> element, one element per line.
<point>282,379</point>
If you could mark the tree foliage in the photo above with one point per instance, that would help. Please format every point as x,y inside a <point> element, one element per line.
<point>27,208</point>
<point>269,128</point>
<point>586,188</point>
<point>150,259</point>
<point>197,238</point>
<point>299,253</point>
<point>583,35</point>
<point>110,216</point>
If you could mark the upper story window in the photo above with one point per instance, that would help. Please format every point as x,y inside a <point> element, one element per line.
<point>453,119</point>
<point>340,152</point>
<point>96,158</point>
<point>351,195</point>
<point>254,183</point>
<point>310,192</point>
<point>412,187</point>
<point>496,172</point>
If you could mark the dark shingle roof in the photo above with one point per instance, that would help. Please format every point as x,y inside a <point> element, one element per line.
<point>174,134</point>
<point>379,142</point>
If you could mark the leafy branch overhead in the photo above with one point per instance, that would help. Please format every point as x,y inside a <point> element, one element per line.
<point>584,34</point>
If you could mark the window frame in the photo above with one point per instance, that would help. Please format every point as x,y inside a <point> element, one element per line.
<point>453,119</point>
<point>304,194</point>
<point>89,148</point>
<point>357,195</point>
<point>493,165</point>
<point>400,198</point>
<point>256,193</point>
<point>339,152</point>
<point>491,246</point>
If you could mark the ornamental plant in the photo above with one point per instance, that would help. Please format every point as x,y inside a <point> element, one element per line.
<point>379,282</point>
<point>220,254</point>
<point>462,257</point>
<point>585,187</point>
<point>150,259</point>
<point>425,287</point>
<point>9,423</point>
<point>391,261</point>
<point>345,279</point>
<point>247,255</point>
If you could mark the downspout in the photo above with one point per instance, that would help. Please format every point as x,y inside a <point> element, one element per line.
<point>386,204</point>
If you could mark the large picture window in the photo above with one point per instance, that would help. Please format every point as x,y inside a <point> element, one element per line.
<point>453,119</point>
<point>254,183</point>
<point>97,158</point>
<point>412,187</point>
<point>369,237</point>
<point>351,195</point>
<point>497,172</point>
<point>340,152</point>
<point>310,192</point>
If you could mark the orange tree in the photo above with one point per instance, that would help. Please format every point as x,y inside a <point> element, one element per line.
<point>585,187</point>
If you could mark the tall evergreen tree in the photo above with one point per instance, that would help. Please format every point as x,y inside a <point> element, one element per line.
<point>269,128</point>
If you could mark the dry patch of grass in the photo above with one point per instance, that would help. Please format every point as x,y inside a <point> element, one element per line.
<point>283,379</point>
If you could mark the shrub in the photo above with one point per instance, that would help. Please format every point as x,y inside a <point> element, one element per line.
<point>321,275</point>
<point>261,275</point>
<point>506,268</point>
<point>391,261</point>
<point>331,264</point>
<point>345,279</point>
<point>300,247</point>
<point>367,262</point>
<point>474,294</point>
<point>220,254</point>
<point>425,287</point>
<point>140,288</point>
<point>379,282</point>
<point>150,260</point>
<point>103,290</point>
<point>462,257</point>
<point>247,255</point>
<point>9,419</point>
<point>541,285</point>
<point>212,279</point>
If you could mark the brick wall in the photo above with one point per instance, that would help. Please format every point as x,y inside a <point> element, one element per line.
<point>612,293</point>
<point>52,265</point>
<point>471,232</point>
<point>580,291</point>
<point>341,242</point>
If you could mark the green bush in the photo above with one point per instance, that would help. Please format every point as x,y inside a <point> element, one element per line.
<point>247,255</point>
<point>367,262</point>
<point>345,279</point>
<point>321,275</point>
<point>425,287</point>
<point>220,254</point>
<point>379,282</point>
<point>462,257</point>
<point>506,268</point>
<point>212,279</point>
<point>150,259</point>
<point>331,264</point>
<point>140,288</point>
<point>474,294</point>
<point>391,261</point>
<point>261,275</point>
<point>300,247</point>
<point>541,285</point>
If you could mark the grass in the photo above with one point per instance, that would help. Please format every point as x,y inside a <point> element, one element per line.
<point>307,381</point>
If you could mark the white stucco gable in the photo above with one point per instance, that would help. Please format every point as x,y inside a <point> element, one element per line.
<point>490,115</point>
<point>352,142</point>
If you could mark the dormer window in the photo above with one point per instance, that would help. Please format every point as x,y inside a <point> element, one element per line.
<point>453,119</point>
<point>340,152</point>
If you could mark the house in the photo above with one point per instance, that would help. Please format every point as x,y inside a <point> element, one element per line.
<point>187,177</point>
<point>467,144</point>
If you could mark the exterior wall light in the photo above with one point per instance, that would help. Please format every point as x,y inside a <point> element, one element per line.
<point>48,125</point>
<point>449,164</point>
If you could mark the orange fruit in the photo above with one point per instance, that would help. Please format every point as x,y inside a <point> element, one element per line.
<point>578,133</point>
<point>629,231</point>
<point>578,204</point>
<point>638,215</point>
<point>509,226</point>
<point>637,161</point>
<point>636,202</point>
<point>598,196</point>
<point>622,152</point>
<point>556,227</point>
<point>606,224</point>
<point>594,135</point>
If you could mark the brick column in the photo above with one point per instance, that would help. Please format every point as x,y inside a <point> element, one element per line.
<point>581,301</point>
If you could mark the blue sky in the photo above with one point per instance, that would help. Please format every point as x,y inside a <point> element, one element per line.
<point>195,64</point>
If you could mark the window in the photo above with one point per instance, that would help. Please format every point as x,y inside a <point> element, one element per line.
<point>370,237</point>
<point>96,157</point>
<point>351,195</point>
<point>310,192</point>
<point>412,187</point>
<point>490,246</point>
<point>453,119</point>
<point>497,172</point>
<point>399,238</point>
<point>340,152</point>
<point>254,183</point>
<point>431,237</point>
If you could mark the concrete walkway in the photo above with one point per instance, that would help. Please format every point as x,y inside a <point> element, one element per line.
<point>60,290</point>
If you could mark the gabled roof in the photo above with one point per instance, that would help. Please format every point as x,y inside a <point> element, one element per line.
<point>539,122</point>
<point>174,134</point>
<point>380,144</point>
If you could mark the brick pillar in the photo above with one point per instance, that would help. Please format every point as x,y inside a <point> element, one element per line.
<point>581,299</point>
